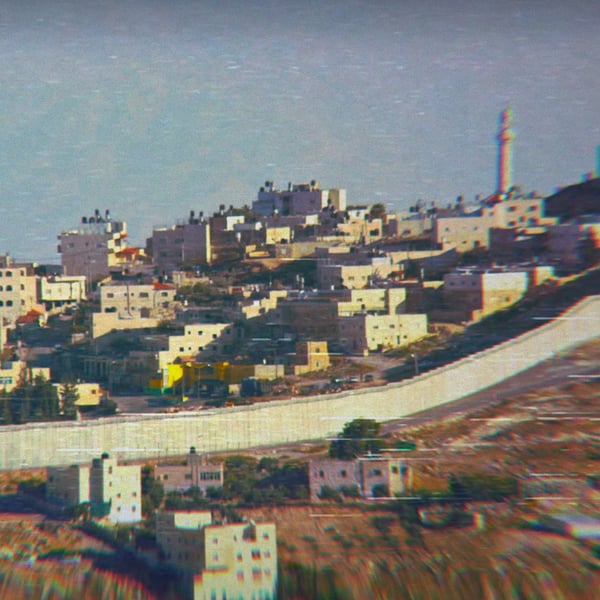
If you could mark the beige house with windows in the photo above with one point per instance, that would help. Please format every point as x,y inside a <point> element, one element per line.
<point>126,306</point>
<point>197,472</point>
<point>92,247</point>
<point>61,290</point>
<point>138,300</point>
<point>363,333</point>
<point>367,476</point>
<point>204,340</point>
<point>18,292</point>
<point>310,356</point>
<point>352,276</point>
<point>219,560</point>
<point>114,491</point>
<point>185,242</point>
<point>473,293</point>
<point>13,371</point>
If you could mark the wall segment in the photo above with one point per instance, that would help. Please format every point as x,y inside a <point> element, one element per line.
<point>294,420</point>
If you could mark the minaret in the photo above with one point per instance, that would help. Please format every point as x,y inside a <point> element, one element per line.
<point>505,138</point>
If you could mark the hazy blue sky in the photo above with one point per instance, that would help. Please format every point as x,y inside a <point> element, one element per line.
<point>151,109</point>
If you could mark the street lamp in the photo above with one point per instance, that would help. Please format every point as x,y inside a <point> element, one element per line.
<point>416,359</point>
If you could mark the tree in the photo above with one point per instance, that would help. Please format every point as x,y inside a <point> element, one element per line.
<point>68,397</point>
<point>377,211</point>
<point>358,437</point>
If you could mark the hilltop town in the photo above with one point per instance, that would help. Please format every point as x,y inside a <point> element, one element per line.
<point>300,296</point>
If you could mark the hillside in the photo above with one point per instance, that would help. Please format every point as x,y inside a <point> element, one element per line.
<point>574,200</point>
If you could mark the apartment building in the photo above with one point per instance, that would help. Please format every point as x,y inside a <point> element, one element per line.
<point>309,357</point>
<point>91,248</point>
<point>363,332</point>
<point>186,242</point>
<point>369,476</point>
<point>474,292</point>
<point>197,471</point>
<point>138,300</point>
<point>68,486</point>
<point>575,244</point>
<point>114,491</point>
<point>201,340</point>
<point>353,276</point>
<point>219,560</point>
<point>18,291</point>
<point>60,290</point>
<point>298,199</point>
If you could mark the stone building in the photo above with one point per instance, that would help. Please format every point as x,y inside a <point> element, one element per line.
<point>219,560</point>
<point>196,472</point>
<point>92,247</point>
<point>114,491</point>
<point>367,476</point>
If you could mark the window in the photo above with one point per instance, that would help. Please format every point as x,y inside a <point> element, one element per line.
<point>344,474</point>
<point>255,554</point>
<point>143,294</point>
<point>110,295</point>
<point>394,469</point>
<point>9,303</point>
<point>9,288</point>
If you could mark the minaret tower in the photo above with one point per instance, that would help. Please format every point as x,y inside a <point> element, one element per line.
<point>505,138</point>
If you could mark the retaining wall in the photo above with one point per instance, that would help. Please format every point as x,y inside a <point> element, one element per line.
<point>293,420</point>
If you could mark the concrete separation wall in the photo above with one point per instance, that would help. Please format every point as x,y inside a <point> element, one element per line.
<point>294,420</point>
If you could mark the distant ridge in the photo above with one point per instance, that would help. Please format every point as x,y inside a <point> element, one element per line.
<point>575,200</point>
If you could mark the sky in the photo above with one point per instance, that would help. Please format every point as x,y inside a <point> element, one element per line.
<point>152,108</point>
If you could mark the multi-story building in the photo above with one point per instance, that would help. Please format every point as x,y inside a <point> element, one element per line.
<point>476,292</point>
<point>220,560</point>
<point>92,248</point>
<point>197,472</point>
<point>204,340</point>
<point>12,372</point>
<point>184,243</point>
<point>368,476</point>
<point>576,244</point>
<point>310,356</point>
<point>363,332</point>
<point>126,306</point>
<point>68,486</point>
<point>354,276</point>
<point>61,290</point>
<point>138,300</point>
<point>299,199</point>
<point>18,292</point>
<point>114,491</point>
